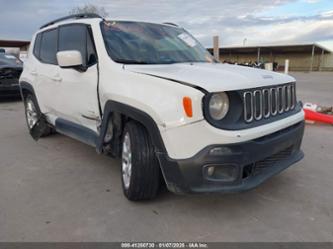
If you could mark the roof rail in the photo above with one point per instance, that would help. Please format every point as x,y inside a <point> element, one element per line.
<point>170,23</point>
<point>75,16</point>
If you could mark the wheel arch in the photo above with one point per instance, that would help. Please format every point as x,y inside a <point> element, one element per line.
<point>113,108</point>
<point>41,128</point>
<point>26,89</point>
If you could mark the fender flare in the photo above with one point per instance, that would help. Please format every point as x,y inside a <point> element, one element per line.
<point>169,168</point>
<point>142,117</point>
<point>28,87</point>
<point>37,131</point>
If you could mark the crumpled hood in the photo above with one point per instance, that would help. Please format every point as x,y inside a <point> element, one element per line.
<point>213,77</point>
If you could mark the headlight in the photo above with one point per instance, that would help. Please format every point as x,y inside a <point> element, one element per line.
<point>218,105</point>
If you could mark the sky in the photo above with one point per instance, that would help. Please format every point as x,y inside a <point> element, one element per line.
<point>255,22</point>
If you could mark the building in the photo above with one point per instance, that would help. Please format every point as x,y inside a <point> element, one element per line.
<point>22,45</point>
<point>20,48</point>
<point>302,57</point>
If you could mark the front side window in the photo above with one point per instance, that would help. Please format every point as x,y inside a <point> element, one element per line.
<point>77,37</point>
<point>48,49</point>
<point>147,43</point>
<point>73,37</point>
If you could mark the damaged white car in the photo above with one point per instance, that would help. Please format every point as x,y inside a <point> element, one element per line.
<point>152,95</point>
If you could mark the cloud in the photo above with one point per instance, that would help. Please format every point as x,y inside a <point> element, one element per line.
<point>327,13</point>
<point>232,20</point>
<point>180,10</point>
<point>312,1</point>
<point>265,30</point>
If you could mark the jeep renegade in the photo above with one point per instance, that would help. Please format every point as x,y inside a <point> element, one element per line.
<point>153,96</point>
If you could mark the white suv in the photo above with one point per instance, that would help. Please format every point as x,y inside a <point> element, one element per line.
<point>151,95</point>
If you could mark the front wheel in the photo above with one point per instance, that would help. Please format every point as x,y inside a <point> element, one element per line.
<point>37,126</point>
<point>140,167</point>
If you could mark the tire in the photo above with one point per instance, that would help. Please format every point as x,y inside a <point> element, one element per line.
<point>140,171</point>
<point>33,115</point>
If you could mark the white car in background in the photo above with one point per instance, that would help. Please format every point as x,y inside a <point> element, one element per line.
<point>151,95</point>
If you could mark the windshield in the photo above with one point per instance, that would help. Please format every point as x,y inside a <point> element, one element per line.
<point>147,43</point>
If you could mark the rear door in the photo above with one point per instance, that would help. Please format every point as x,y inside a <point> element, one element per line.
<point>76,92</point>
<point>45,70</point>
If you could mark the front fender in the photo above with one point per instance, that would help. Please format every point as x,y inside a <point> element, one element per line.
<point>146,120</point>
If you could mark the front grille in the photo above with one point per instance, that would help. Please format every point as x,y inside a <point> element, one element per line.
<point>257,167</point>
<point>10,73</point>
<point>266,102</point>
<point>269,161</point>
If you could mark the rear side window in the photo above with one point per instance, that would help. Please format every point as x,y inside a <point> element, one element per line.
<point>48,49</point>
<point>37,45</point>
<point>77,37</point>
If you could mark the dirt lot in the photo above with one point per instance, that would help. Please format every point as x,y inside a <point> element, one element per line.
<point>60,190</point>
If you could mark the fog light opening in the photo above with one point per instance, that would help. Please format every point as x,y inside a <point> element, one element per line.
<point>210,171</point>
<point>247,171</point>
<point>226,173</point>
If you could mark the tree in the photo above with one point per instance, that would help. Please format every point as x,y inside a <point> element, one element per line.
<point>89,8</point>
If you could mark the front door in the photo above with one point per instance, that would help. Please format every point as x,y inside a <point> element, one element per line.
<point>77,96</point>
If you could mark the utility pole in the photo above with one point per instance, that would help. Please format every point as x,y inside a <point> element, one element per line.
<point>216,47</point>
<point>258,55</point>
<point>312,57</point>
<point>321,64</point>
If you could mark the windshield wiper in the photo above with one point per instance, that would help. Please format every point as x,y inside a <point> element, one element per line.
<point>126,61</point>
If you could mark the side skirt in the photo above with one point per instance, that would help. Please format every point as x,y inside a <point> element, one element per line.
<point>76,131</point>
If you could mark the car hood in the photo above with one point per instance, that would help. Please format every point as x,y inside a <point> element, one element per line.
<point>213,77</point>
<point>10,61</point>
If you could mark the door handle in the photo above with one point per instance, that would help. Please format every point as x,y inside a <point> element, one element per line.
<point>56,78</point>
<point>33,72</point>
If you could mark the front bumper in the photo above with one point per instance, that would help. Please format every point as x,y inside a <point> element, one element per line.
<point>249,163</point>
<point>12,90</point>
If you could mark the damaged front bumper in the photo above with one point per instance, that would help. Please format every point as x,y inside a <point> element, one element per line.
<point>234,167</point>
<point>12,90</point>
<point>9,82</point>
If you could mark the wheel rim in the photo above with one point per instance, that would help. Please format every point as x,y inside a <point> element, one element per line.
<point>32,115</point>
<point>127,161</point>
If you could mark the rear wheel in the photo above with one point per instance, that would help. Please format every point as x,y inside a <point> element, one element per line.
<point>140,167</point>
